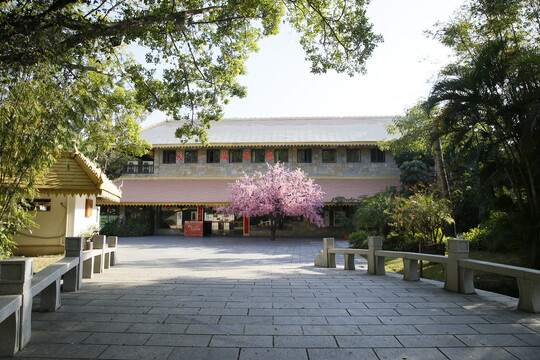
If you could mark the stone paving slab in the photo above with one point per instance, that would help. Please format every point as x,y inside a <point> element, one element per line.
<point>251,298</point>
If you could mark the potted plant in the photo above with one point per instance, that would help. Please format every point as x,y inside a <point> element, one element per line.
<point>88,235</point>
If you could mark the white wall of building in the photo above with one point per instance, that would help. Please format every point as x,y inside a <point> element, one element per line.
<point>66,217</point>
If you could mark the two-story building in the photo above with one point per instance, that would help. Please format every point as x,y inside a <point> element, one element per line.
<point>184,182</point>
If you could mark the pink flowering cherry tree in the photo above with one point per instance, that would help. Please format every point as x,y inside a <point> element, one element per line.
<point>277,193</point>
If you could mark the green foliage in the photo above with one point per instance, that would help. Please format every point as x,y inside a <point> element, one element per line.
<point>413,134</point>
<point>130,227</point>
<point>424,214</point>
<point>402,241</point>
<point>359,239</point>
<point>491,107</point>
<point>412,147</point>
<point>500,233</point>
<point>195,50</point>
<point>415,173</point>
<point>29,136</point>
<point>374,211</point>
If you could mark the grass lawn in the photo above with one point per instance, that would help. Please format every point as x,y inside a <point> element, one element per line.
<point>41,262</point>
<point>486,281</point>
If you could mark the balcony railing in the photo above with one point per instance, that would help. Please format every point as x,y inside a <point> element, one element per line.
<point>139,169</point>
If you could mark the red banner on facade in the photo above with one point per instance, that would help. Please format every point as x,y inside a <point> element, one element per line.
<point>200,213</point>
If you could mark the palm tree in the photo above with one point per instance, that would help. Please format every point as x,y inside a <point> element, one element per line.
<point>494,104</point>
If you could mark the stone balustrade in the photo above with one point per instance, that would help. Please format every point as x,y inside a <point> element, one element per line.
<point>458,268</point>
<point>19,285</point>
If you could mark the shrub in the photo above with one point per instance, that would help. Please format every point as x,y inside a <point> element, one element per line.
<point>500,233</point>
<point>402,242</point>
<point>131,227</point>
<point>358,239</point>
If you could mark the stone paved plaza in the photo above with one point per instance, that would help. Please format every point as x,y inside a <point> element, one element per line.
<point>250,298</point>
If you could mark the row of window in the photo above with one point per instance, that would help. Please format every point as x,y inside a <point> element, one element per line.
<point>261,155</point>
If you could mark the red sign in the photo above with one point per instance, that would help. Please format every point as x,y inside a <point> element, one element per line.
<point>193,228</point>
<point>179,156</point>
<point>225,155</point>
<point>270,156</point>
<point>247,155</point>
<point>246,226</point>
<point>200,213</point>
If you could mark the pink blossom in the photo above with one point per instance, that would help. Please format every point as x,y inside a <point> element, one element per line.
<point>276,193</point>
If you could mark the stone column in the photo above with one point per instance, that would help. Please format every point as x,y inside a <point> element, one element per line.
<point>329,244</point>
<point>457,249</point>
<point>73,278</point>
<point>100,243</point>
<point>16,279</point>
<point>375,263</point>
<point>113,243</point>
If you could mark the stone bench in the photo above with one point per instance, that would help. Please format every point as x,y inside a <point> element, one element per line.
<point>46,283</point>
<point>19,285</point>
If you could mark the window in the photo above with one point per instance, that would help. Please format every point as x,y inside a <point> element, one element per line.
<point>354,155</point>
<point>235,156</point>
<point>304,155</point>
<point>281,155</point>
<point>257,155</point>
<point>191,157</point>
<point>329,155</point>
<point>88,207</point>
<point>212,156</point>
<point>169,156</point>
<point>377,156</point>
<point>40,205</point>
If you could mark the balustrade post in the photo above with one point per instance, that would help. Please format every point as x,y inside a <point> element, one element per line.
<point>529,295</point>
<point>113,243</point>
<point>375,263</point>
<point>100,243</point>
<point>458,279</point>
<point>329,244</point>
<point>73,278</point>
<point>16,279</point>
<point>322,258</point>
<point>410,269</point>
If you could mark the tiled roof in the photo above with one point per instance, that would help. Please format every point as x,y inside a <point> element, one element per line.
<point>284,131</point>
<point>73,174</point>
<point>214,191</point>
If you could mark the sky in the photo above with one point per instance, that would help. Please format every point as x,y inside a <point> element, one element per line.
<point>399,73</point>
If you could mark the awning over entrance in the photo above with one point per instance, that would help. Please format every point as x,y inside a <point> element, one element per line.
<point>213,192</point>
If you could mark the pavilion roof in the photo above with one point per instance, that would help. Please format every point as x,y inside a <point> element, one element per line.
<point>74,174</point>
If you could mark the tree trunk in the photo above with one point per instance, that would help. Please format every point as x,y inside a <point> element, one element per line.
<point>442,179</point>
<point>442,182</point>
